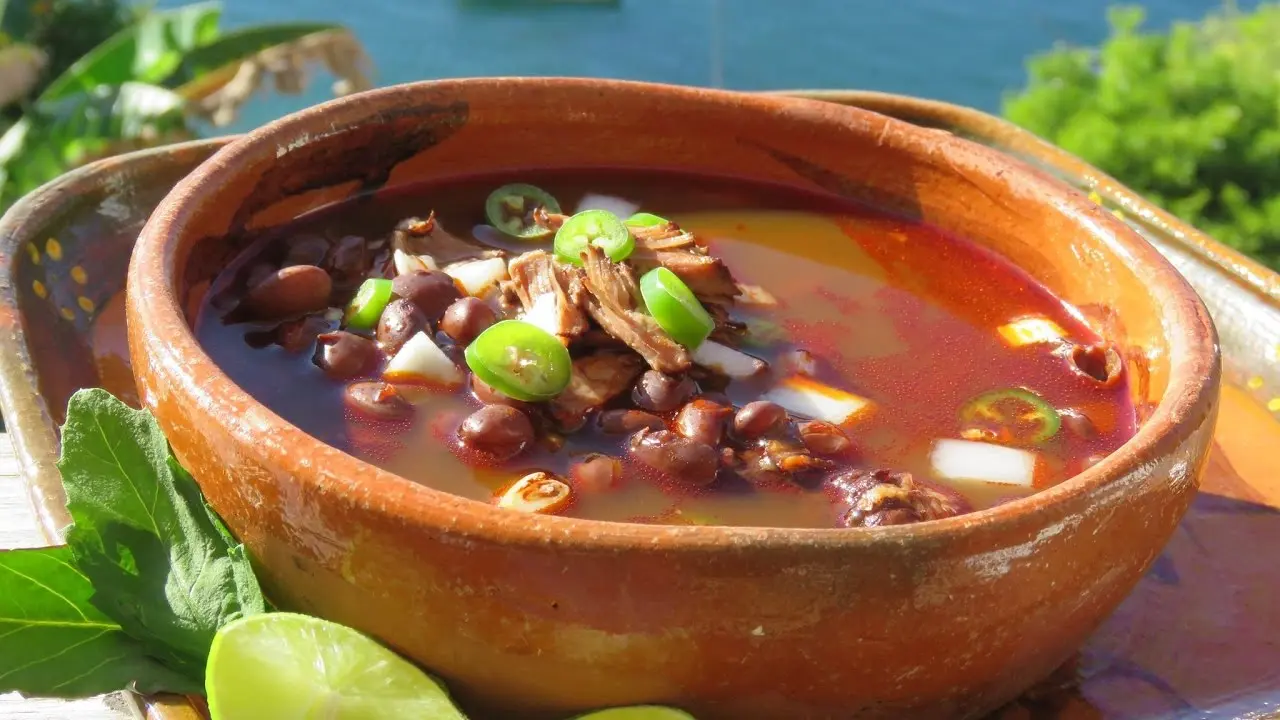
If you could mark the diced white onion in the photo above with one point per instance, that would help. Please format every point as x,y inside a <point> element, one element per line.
<point>1031,331</point>
<point>421,360</point>
<point>406,263</point>
<point>967,460</point>
<point>809,398</point>
<point>618,206</point>
<point>477,276</point>
<point>725,359</point>
<point>545,313</point>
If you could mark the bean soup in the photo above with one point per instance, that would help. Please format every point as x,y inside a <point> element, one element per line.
<point>665,348</point>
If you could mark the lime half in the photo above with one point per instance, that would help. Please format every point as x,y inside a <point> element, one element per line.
<point>294,667</point>
<point>638,712</point>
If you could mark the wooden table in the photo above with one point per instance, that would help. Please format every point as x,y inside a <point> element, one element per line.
<point>18,528</point>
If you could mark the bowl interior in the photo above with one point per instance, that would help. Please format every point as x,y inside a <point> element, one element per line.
<point>71,243</point>
<point>430,131</point>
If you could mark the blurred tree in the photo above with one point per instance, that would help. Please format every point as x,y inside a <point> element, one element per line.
<point>1189,117</point>
<point>83,79</point>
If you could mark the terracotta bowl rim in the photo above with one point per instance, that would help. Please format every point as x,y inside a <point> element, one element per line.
<point>176,351</point>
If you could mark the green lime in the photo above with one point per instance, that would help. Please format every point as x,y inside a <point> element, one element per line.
<point>294,667</point>
<point>638,712</point>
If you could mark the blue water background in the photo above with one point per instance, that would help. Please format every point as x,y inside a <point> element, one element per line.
<point>964,51</point>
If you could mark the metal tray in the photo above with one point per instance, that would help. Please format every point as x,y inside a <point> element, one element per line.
<point>1196,639</point>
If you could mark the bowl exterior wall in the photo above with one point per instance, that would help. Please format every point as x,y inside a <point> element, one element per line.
<point>547,615</point>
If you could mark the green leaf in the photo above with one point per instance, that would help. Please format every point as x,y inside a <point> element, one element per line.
<point>147,51</point>
<point>54,642</point>
<point>159,564</point>
<point>47,141</point>
<point>239,45</point>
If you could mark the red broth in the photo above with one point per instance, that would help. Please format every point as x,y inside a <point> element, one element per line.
<point>897,312</point>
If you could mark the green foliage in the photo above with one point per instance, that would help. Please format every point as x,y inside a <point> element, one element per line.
<point>65,29</point>
<point>1190,117</point>
<point>147,577</point>
<point>81,79</point>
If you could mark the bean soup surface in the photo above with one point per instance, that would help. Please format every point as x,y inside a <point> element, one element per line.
<point>812,364</point>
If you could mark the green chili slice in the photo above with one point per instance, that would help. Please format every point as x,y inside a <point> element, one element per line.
<point>520,360</point>
<point>600,228</point>
<point>366,307</point>
<point>644,219</point>
<point>510,208</point>
<point>1016,415</point>
<point>674,306</point>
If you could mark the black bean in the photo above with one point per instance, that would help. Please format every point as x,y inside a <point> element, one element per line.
<point>298,335</point>
<point>625,422</point>
<point>349,257</point>
<point>343,355</point>
<point>466,318</point>
<point>400,320</point>
<point>1100,363</point>
<point>486,394</point>
<point>432,292</point>
<point>824,438</point>
<point>759,418</point>
<point>661,393</point>
<point>703,420</point>
<point>306,250</point>
<point>595,473</point>
<point>679,459</point>
<point>377,400</point>
<point>498,430</point>
<point>1078,423</point>
<point>288,292</point>
<point>258,272</point>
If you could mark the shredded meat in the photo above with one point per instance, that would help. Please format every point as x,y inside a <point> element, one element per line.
<point>536,282</point>
<point>596,380</point>
<point>417,236</point>
<point>612,303</point>
<point>727,330</point>
<point>870,498</point>
<point>550,221</point>
<point>708,277</point>
<point>597,339</point>
<point>662,237</point>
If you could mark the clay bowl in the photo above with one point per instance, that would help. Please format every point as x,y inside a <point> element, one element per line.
<point>534,616</point>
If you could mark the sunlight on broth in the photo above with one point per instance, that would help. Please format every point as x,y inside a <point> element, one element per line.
<point>876,339</point>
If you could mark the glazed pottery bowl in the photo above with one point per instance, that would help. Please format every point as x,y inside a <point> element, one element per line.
<point>533,616</point>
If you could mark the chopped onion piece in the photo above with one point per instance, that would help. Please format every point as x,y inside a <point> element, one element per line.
<point>809,398</point>
<point>618,206</point>
<point>477,276</point>
<point>961,460</point>
<point>406,263</point>
<point>544,314</point>
<point>421,360</point>
<point>725,359</point>
<point>1032,330</point>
